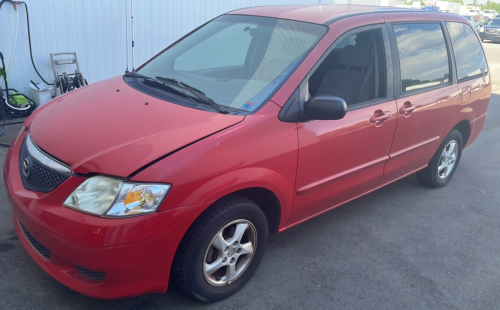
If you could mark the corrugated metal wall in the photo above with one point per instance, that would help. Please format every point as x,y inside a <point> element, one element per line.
<point>95,29</point>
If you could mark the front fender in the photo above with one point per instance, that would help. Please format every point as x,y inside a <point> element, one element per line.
<point>244,178</point>
<point>259,152</point>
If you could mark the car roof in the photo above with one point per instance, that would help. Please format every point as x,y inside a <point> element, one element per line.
<point>319,14</point>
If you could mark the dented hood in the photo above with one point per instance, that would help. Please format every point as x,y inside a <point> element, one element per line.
<point>108,128</point>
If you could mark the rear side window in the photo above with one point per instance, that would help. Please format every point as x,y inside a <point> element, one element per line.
<point>468,52</point>
<point>423,56</point>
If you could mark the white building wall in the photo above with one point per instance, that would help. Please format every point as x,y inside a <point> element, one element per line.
<point>95,29</point>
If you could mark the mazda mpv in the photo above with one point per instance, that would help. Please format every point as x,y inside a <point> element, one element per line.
<point>254,122</point>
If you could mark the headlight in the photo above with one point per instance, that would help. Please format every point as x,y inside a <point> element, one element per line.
<point>481,29</point>
<point>110,197</point>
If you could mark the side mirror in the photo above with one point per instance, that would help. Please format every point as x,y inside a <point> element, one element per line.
<point>325,107</point>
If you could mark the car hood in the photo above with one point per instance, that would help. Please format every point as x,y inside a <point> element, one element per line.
<point>111,128</point>
<point>492,26</point>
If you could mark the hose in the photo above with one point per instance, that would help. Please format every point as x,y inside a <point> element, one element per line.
<point>13,47</point>
<point>4,127</point>
<point>14,123</point>
<point>15,3</point>
<point>5,77</point>
<point>15,43</point>
<point>1,133</point>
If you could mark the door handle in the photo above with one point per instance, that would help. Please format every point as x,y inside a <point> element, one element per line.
<point>466,93</point>
<point>380,116</point>
<point>407,108</point>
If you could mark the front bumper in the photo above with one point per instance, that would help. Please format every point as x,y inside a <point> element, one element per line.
<point>489,36</point>
<point>98,257</point>
<point>128,270</point>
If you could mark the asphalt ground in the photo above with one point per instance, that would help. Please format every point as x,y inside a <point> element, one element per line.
<point>402,247</point>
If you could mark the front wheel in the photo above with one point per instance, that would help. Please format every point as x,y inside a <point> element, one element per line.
<point>444,163</point>
<point>222,250</point>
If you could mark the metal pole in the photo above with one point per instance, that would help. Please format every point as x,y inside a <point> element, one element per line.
<point>126,37</point>
<point>133,51</point>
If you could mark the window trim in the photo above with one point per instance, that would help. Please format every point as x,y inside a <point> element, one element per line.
<point>297,114</point>
<point>451,54</point>
<point>457,80</point>
<point>398,89</point>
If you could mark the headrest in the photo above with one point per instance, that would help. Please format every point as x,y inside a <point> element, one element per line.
<point>354,55</point>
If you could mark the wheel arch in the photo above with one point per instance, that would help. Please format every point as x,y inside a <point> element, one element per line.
<point>464,128</point>
<point>265,198</point>
<point>272,191</point>
<point>267,201</point>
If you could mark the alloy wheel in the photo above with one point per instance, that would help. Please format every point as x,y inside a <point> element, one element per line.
<point>230,253</point>
<point>448,159</point>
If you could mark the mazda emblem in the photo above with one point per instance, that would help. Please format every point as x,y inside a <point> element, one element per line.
<point>26,167</point>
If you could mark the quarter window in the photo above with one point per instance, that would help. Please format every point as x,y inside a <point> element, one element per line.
<point>468,52</point>
<point>423,56</point>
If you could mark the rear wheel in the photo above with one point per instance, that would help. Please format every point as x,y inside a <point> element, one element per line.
<point>222,250</point>
<point>444,162</point>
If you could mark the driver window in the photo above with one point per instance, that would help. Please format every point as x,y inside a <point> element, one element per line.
<point>355,70</point>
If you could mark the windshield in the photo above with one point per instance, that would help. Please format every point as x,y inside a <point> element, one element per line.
<point>496,22</point>
<point>235,60</point>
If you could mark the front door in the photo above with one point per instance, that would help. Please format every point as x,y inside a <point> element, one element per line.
<point>342,159</point>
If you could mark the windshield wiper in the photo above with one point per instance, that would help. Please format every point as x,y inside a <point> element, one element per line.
<point>154,83</point>
<point>170,80</point>
<point>196,92</point>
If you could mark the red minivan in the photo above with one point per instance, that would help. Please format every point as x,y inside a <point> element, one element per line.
<point>253,123</point>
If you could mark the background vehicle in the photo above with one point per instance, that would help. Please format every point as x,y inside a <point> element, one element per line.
<point>491,31</point>
<point>430,8</point>
<point>490,14</point>
<point>474,12</point>
<point>475,24</point>
<point>265,118</point>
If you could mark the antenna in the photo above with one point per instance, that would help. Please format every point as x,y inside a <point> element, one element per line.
<point>133,51</point>
<point>126,37</point>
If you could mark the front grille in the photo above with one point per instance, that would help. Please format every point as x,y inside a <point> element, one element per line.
<point>96,275</point>
<point>40,178</point>
<point>492,30</point>
<point>37,245</point>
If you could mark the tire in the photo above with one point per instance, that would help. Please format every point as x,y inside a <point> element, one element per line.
<point>202,249</point>
<point>444,163</point>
